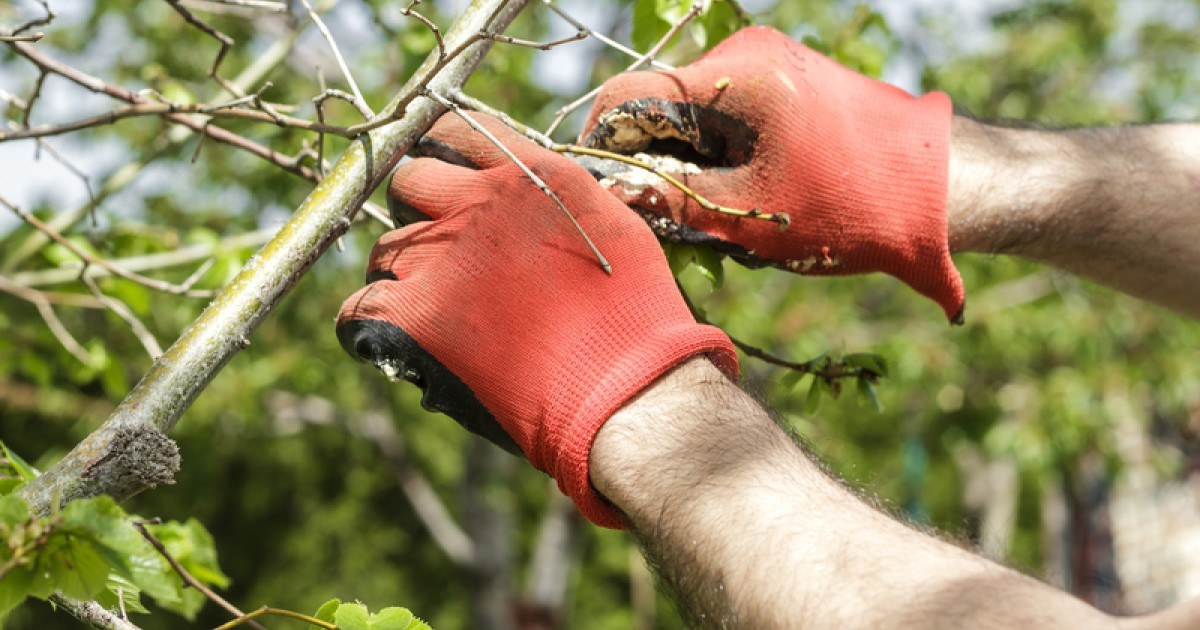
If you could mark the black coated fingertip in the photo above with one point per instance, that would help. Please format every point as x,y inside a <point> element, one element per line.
<point>404,214</point>
<point>429,146</point>
<point>399,356</point>
<point>376,275</point>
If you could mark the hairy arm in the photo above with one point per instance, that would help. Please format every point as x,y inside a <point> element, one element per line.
<point>1118,205</point>
<point>751,532</point>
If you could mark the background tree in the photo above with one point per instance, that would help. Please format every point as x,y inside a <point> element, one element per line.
<point>318,478</point>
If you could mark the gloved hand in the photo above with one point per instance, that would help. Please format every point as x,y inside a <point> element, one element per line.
<point>497,309</point>
<point>859,166</point>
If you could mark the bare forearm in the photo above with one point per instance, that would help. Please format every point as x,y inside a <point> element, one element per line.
<point>1118,205</point>
<point>752,533</point>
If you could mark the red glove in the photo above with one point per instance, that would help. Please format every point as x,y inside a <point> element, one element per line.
<point>500,313</point>
<point>859,166</point>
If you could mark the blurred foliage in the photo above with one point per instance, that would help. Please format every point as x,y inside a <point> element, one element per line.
<point>278,460</point>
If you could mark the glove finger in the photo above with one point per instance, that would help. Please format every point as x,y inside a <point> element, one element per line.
<point>453,139</point>
<point>426,188</point>
<point>371,328</point>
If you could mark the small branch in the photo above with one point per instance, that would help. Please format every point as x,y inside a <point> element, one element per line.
<point>174,381</point>
<point>783,219</point>
<point>23,38</point>
<point>264,611</point>
<point>150,283</point>
<point>780,218</point>
<point>116,306</point>
<point>437,33</point>
<point>223,136</point>
<point>262,6</point>
<point>181,256</point>
<point>224,40</point>
<point>52,321</point>
<point>187,577</point>
<point>92,614</point>
<point>48,16</point>
<point>581,34</point>
<point>562,114</point>
<point>537,181</point>
<point>610,42</point>
<point>359,102</point>
<point>817,367</point>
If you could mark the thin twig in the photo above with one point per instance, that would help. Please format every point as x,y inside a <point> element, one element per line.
<point>224,40</point>
<point>118,307</point>
<point>187,577</point>
<point>52,321</point>
<point>269,6</point>
<point>610,42</point>
<point>781,218</point>
<point>99,86</point>
<point>562,114</point>
<point>47,17</point>
<point>516,41</point>
<point>23,38</point>
<point>359,102</point>
<point>537,181</point>
<point>818,367</point>
<point>180,256</point>
<point>150,283</point>
<point>265,610</point>
<point>437,33</point>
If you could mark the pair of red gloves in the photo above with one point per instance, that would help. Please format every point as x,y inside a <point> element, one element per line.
<point>497,309</point>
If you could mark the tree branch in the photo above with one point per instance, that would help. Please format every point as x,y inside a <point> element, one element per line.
<point>187,367</point>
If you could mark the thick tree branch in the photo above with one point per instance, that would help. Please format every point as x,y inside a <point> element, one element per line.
<point>187,367</point>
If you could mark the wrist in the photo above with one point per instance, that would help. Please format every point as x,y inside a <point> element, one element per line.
<point>685,436</point>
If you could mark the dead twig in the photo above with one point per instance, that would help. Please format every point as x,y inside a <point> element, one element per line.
<point>780,218</point>
<point>537,181</point>
<point>88,259</point>
<point>358,101</point>
<point>60,332</point>
<point>562,113</point>
<point>608,41</point>
<point>183,573</point>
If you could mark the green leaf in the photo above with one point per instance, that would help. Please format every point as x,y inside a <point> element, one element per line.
<point>326,612</point>
<point>13,510</point>
<point>872,363</point>
<point>352,617</point>
<point>130,596</point>
<point>708,262</point>
<point>791,380</point>
<point>647,26</point>
<point>14,464</point>
<point>14,588</point>
<point>812,402</point>
<point>392,618</point>
<point>867,390</point>
<point>678,256</point>
<point>81,568</point>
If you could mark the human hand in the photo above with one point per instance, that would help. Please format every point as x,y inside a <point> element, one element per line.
<point>859,166</point>
<point>497,309</point>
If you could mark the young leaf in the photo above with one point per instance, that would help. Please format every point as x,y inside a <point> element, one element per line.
<point>326,612</point>
<point>708,263</point>
<point>812,402</point>
<point>14,469</point>
<point>867,390</point>
<point>872,363</point>
<point>391,618</point>
<point>352,617</point>
<point>791,380</point>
